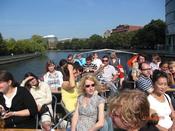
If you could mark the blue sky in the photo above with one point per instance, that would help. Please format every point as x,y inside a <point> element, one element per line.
<point>20,19</point>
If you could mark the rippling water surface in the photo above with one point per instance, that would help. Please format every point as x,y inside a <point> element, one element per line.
<point>37,65</point>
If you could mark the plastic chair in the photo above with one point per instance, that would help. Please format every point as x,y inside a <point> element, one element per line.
<point>129,84</point>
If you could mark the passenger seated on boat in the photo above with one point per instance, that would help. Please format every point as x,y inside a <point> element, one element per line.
<point>42,95</point>
<point>115,61</point>
<point>70,58</point>
<point>108,75</point>
<point>129,111</point>
<point>144,82</point>
<point>69,88</point>
<point>135,71</point>
<point>89,113</point>
<point>160,102</point>
<point>164,66</point>
<point>81,60</point>
<point>53,77</point>
<point>89,67</point>
<point>19,105</point>
<point>172,70</point>
<point>156,60</point>
<point>63,67</point>
<point>96,60</point>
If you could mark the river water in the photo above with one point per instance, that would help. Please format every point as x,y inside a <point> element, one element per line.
<point>37,65</point>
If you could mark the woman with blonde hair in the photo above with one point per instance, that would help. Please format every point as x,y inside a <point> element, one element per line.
<point>89,113</point>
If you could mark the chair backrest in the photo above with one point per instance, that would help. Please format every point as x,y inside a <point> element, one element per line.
<point>54,105</point>
<point>37,121</point>
<point>63,120</point>
<point>128,84</point>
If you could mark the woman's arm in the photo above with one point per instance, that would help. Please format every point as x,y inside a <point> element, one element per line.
<point>172,112</point>
<point>75,118</point>
<point>152,111</point>
<point>28,106</point>
<point>67,85</point>
<point>161,128</point>
<point>100,121</point>
<point>29,103</point>
<point>172,127</point>
<point>25,80</point>
<point>170,78</point>
<point>24,112</point>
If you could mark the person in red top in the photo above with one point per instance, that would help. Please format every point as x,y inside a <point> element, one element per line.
<point>115,61</point>
<point>121,74</point>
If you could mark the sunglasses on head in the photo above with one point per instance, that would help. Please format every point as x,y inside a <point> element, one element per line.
<point>92,85</point>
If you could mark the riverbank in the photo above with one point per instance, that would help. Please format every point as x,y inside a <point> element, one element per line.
<point>80,50</point>
<point>15,58</point>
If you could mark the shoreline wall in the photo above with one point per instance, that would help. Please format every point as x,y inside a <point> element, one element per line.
<point>15,58</point>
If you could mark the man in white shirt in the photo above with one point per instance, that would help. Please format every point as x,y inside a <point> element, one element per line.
<point>109,75</point>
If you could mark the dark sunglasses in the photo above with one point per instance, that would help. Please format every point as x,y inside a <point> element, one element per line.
<point>104,60</point>
<point>146,69</point>
<point>92,85</point>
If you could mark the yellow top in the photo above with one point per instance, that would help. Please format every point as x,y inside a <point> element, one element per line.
<point>69,98</point>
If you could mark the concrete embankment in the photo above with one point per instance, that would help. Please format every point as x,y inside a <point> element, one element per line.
<point>15,58</point>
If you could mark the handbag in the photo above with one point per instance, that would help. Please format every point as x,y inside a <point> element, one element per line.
<point>43,109</point>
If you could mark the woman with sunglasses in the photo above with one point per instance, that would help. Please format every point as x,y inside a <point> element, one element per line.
<point>89,113</point>
<point>18,104</point>
<point>42,95</point>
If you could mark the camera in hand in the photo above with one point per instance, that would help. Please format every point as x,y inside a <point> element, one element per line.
<point>2,112</point>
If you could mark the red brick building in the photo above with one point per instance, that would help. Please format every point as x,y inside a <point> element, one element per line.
<point>126,28</point>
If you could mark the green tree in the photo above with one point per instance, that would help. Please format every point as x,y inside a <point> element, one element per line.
<point>10,45</point>
<point>38,39</point>
<point>151,35</point>
<point>1,39</point>
<point>95,41</point>
<point>3,47</point>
